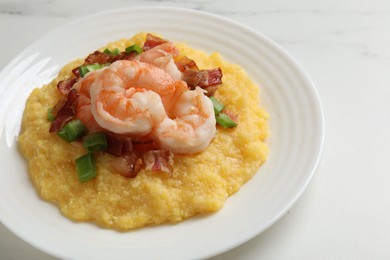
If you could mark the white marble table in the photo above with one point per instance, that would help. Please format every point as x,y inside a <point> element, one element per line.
<point>345,46</point>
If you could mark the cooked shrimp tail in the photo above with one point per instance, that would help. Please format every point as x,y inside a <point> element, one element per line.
<point>192,127</point>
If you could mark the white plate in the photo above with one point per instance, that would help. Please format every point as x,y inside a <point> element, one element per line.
<point>296,139</point>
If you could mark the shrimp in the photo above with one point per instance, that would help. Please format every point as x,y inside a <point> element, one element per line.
<point>83,110</point>
<point>127,97</point>
<point>138,99</point>
<point>162,56</point>
<point>191,128</point>
<point>159,81</point>
<point>120,105</point>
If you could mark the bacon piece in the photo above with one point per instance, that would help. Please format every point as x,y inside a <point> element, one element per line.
<point>210,91</point>
<point>152,41</point>
<point>76,71</point>
<point>184,63</point>
<point>127,145</point>
<point>103,58</point>
<point>66,85</point>
<point>205,79</point>
<point>159,160</point>
<point>66,113</point>
<point>140,148</point>
<point>57,107</point>
<point>127,165</point>
<point>123,56</point>
<point>214,77</point>
<point>98,57</point>
<point>118,145</point>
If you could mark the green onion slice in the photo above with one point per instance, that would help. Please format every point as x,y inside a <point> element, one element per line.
<point>113,52</point>
<point>50,115</point>
<point>83,70</point>
<point>88,68</point>
<point>218,107</point>
<point>225,121</point>
<point>95,142</point>
<point>72,130</point>
<point>86,167</point>
<point>134,48</point>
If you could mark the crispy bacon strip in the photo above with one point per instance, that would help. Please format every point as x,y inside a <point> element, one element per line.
<point>140,148</point>
<point>184,63</point>
<point>66,113</point>
<point>210,91</point>
<point>98,57</point>
<point>118,145</point>
<point>103,58</point>
<point>123,56</point>
<point>127,165</point>
<point>76,71</point>
<point>66,85</point>
<point>203,78</point>
<point>206,79</point>
<point>159,160</point>
<point>57,107</point>
<point>152,41</point>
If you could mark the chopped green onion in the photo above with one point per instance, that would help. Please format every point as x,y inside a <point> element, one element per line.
<point>225,121</point>
<point>222,119</point>
<point>95,142</point>
<point>218,107</point>
<point>113,52</point>
<point>134,48</point>
<point>72,130</point>
<point>88,68</point>
<point>50,115</point>
<point>86,167</point>
<point>83,70</point>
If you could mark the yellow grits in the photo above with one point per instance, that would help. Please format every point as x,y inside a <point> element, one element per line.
<point>199,183</point>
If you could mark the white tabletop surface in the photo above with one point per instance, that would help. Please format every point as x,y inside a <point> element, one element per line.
<point>344,45</point>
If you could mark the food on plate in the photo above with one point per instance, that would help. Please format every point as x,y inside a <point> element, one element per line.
<point>143,131</point>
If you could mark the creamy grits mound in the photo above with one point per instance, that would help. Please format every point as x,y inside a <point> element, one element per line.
<point>199,183</point>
